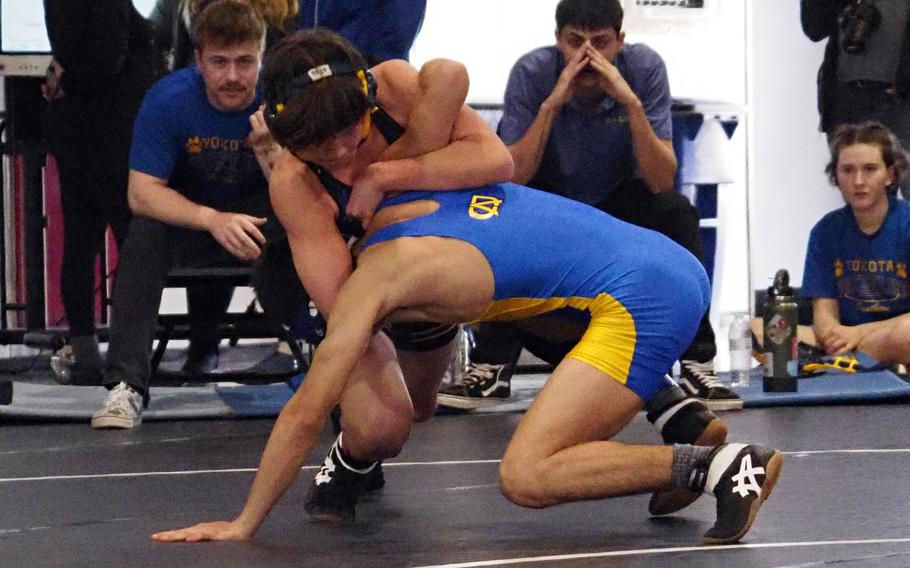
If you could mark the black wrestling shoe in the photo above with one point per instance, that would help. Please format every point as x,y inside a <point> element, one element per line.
<point>336,489</point>
<point>699,381</point>
<point>740,477</point>
<point>481,386</point>
<point>682,420</point>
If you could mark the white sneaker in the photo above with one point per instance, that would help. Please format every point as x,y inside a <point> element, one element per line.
<point>122,408</point>
<point>62,365</point>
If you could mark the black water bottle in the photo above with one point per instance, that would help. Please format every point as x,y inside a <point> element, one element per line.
<point>781,366</point>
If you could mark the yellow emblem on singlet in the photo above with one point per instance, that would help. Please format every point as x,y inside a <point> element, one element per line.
<point>483,207</point>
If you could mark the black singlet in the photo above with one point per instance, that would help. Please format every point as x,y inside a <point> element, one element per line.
<point>340,191</point>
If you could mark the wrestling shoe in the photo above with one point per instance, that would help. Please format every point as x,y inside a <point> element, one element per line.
<point>740,477</point>
<point>682,420</point>
<point>375,479</point>
<point>698,380</point>
<point>336,488</point>
<point>122,408</point>
<point>481,386</point>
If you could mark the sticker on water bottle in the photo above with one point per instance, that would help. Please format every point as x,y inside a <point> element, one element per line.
<point>777,329</point>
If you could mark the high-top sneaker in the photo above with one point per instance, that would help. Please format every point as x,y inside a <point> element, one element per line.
<point>481,386</point>
<point>698,380</point>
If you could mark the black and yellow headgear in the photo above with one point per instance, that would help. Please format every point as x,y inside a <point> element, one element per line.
<point>276,101</point>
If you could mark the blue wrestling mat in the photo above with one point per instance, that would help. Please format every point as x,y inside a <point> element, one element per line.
<point>832,387</point>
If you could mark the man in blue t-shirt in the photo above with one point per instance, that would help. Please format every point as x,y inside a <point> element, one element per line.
<point>197,189</point>
<point>589,118</point>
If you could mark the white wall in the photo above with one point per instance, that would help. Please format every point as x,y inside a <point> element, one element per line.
<point>489,35</point>
<point>788,189</point>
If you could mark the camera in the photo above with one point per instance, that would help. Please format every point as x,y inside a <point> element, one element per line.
<point>858,20</point>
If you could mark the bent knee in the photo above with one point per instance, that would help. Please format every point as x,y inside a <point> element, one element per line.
<point>380,438</point>
<point>425,409</point>
<point>894,345</point>
<point>520,482</point>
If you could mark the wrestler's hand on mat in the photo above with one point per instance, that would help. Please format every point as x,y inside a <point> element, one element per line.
<point>217,530</point>
<point>611,81</point>
<point>366,195</point>
<point>238,233</point>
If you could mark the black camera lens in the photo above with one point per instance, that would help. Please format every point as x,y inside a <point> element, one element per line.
<point>858,20</point>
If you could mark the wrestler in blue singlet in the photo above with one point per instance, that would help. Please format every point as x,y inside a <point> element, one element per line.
<point>645,293</point>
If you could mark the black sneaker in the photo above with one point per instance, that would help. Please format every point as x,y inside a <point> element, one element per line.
<point>682,420</point>
<point>699,381</point>
<point>335,489</point>
<point>482,385</point>
<point>742,477</point>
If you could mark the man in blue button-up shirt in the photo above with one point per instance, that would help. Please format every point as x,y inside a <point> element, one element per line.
<point>589,118</point>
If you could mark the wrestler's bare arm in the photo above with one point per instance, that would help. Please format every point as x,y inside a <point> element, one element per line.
<point>447,145</point>
<point>307,213</point>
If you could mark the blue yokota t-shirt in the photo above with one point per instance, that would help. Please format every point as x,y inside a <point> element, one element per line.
<point>201,151</point>
<point>866,274</point>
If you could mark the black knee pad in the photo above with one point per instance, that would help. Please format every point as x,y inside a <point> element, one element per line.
<point>680,419</point>
<point>421,336</point>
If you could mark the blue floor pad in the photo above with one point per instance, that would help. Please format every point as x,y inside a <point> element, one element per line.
<point>55,402</point>
<point>829,388</point>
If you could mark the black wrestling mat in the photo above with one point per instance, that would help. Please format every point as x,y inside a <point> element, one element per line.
<point>75,497</point>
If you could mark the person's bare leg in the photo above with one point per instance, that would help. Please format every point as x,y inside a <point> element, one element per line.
<point>890,343</point>
<point>559,452</point>
<point>423,371</point>
<point>376,410</point>
<point>557,455</point>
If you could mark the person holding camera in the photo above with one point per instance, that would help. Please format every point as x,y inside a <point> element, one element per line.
<point>865,74</point>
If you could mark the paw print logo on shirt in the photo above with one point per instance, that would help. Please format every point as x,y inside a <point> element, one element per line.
<point>193,145</point>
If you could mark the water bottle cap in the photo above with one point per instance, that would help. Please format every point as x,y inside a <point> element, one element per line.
<point>781,285</point>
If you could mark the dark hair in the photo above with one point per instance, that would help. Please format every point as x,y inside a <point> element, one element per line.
<point>589,14</point>
<point>301,112</point>
<point>873,133</point>
<point>227,22</point>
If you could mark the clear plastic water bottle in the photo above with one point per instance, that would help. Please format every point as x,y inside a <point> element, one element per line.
<point>740,351</point>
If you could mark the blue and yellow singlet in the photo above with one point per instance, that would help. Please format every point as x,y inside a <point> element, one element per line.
<point>645,293</point>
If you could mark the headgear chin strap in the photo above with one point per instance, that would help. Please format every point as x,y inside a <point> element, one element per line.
<point>285,93</point>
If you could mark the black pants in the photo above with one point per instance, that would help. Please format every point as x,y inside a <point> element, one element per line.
<point>151,250</point>
<point>669,213</point>
<point>90,140</point>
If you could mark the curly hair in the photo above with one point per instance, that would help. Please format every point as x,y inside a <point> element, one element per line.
<point>873,133</point>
